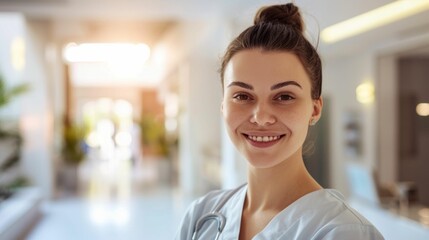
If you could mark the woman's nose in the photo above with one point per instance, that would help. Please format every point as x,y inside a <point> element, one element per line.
<point>262,115</point>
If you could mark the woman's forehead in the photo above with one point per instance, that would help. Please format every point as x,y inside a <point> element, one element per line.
<point>271,66</point>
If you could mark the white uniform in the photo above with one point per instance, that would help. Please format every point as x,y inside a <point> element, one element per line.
<point>322,214</point>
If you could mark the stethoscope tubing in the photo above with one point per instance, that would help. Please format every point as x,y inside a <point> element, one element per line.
<point>221,221</point>
<point>215,215</point>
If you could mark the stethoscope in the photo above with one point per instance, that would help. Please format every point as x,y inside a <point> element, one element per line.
<point>215,215</point>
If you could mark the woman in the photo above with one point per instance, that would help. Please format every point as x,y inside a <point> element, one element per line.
<point>271,77</point>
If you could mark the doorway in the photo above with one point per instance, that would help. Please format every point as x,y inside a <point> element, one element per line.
<point>413,72</point>
<point>403,132</point>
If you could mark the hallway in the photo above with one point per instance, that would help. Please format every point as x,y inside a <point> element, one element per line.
<point>130,92</point>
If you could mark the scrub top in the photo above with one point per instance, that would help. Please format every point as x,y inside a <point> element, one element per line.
<point>322,214</point>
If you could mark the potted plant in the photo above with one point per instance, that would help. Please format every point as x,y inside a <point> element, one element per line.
<point>153,137</point>
<point>11,139</point>
<point>73,150</point>
<point>73,153</point>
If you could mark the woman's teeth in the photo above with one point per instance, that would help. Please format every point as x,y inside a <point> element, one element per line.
<point>264,138</point>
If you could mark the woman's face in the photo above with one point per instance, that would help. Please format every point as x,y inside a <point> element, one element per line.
<point>267,105</point>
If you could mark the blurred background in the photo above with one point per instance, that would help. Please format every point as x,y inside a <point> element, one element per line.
<point>110,118</point>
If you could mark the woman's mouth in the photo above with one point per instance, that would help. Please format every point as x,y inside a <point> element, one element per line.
<point>263,138</point>
<point>263,141</point>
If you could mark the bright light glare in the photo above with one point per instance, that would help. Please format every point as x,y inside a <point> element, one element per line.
<point>104,214</point>
<point>98,215</point>
<point>170,124</point>
<point>17,52</point>
<point>123,153</point>
<point>92,140</point>
<point>375,18</point>
<point>171,105</point>
<point>105,128</point>
<point>104,105</point>
<point>422,109</point>
<point>365,93</point>
<point>107,52</point>
<point>123,108</point>
<point>123,139</point>
<point>121,216</point>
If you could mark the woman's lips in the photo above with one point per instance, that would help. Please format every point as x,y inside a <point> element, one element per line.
<point>263,141</point>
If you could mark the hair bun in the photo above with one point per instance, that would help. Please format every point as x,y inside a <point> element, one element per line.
<point>287,14</point>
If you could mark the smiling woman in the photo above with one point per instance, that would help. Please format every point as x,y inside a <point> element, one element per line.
<point>256,111</point>
<point>272,77</point>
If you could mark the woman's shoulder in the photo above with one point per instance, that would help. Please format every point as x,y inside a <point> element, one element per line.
<point>330,205</point>
<point>344,212</point>
<point>339,219</point>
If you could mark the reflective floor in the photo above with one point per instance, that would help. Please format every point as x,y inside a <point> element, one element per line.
<point>151,215</point>
<point>117,199</point>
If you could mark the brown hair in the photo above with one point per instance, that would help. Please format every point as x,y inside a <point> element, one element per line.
<point>279,28</point>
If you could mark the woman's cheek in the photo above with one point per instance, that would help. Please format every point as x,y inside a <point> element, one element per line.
<point>296,115</point>
<point>235,115</point>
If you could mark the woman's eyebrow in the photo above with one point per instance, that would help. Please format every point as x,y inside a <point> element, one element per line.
<point>241,84</point>
<point>283,84</point>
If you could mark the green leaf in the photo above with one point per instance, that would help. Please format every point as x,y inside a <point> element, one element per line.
<point>6,95</point>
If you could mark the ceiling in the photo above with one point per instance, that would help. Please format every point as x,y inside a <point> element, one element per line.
<point>326,12</point>
<point>147,20</point>
<point>155,16</point>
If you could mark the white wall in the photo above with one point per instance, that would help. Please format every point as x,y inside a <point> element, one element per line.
<point>193,49</point>
<point>12,26</point>
<point>341,76</point>
<point>37,115</point>
<point>32,110</point>
<point>12,74</point>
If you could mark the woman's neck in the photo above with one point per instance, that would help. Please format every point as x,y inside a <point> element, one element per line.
<point>276,188</point>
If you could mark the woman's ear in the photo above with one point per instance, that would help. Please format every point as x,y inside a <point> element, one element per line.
<point>317,109</point>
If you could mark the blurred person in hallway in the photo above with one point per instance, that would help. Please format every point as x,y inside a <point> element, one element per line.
<point>272,77</point>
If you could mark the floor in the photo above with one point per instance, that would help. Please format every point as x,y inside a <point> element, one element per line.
<point>152,215</point>
<point>116,199</point>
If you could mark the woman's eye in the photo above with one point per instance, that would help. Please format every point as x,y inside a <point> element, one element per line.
<point>284,97</point>
<point>241,97</point>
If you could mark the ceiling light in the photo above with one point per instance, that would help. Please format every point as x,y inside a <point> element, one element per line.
<point>365,93</point>
<point>375,18</point>
<point>422,109</point>
<point>107,52</point>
